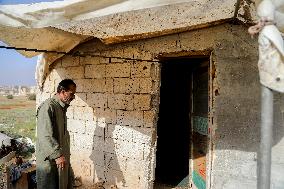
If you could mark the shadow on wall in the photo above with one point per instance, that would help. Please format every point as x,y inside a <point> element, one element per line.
<point>110,147</point>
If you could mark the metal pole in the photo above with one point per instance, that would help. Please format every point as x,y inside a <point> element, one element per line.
<point>264,155</point>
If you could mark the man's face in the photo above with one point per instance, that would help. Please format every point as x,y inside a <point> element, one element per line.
<point>69,95</point>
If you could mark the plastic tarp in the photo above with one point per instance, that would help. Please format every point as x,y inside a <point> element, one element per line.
<point>271,44</point>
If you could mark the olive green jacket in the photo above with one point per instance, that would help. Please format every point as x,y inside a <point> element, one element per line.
<point>53,140</point>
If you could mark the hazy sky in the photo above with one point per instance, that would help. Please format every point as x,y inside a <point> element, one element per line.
<point>15,69</point>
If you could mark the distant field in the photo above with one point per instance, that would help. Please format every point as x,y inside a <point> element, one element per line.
<point>18,116</point>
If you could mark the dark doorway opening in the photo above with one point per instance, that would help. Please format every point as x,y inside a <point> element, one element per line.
<point>174,124</point>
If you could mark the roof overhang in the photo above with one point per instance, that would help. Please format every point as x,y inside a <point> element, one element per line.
<point>62,25</point>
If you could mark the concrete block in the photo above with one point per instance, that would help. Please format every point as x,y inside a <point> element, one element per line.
<point>142,102</point>
<point>91,85</point>
<point>93,60</point>
<point>92,128</point>
<point>68,61</point>
<point>110,145</point>
<point>76,126</point>
<point>115,162</point>
<point>84,141</point>
<point>118,70</point>
<point>84,113</point>
<point>97,157</point>
<point>95,71</point>
<point>141,69</point>
<point>120,102</point>
<point>119,132</point>
<point>70,112</point>
<point>54,75</point>
<point>117,60</point>
<point>135,172</point>
<point>109,85</point>
<point>98,143</point>
<point>49,86</point>
<point>131,118</point>
<point>149,119</point>
<point>143,135</point>
<point>126,85</point>
<point>80,100</point>
<point>71,72</point>
<point>95,85</point>
<point>156,71</point>
<point>127,149</point>
<point>114,177</point>
<point>98,100</point>
<point>146,85</point>
<point>105,115</point>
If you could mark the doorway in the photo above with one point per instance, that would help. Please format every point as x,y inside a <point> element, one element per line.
<point>182,140</point>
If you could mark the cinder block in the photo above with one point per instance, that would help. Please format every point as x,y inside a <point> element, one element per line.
<point>54,75</point>
<point>117,60</point>
<point>110,145</point>
<point>141,69</point>
<point>76,126</point>
<point>136,168</point>
<point>92,128</point>
<point>118,70</point>
<point>98,100</point>
<point>126,85</point>
<point>114,177</point>
<point>115,162</point>
<point>84,113</point>
<point>156,71</point>
<point>131,118</point>
<point>93,60</point>
<point>49,86</point>
<point>119,132</point>
<point>105,115</point>
<point>150,118</point>
<point>120,102</point>
<point>95,71</point>
<point>71,73</point>
<point>142,102</point>
<point>97,157</point>
<point>143,135</point>
<point>80,100</point>
<point>98,143</point>
<point>68,61</point>
<point>109,85</point>
<point>95,85</point>
<point>89,60</point>
<point>84,141</point>
<point>146,85</point>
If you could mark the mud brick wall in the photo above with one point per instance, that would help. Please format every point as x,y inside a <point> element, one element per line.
<point>113,120</point>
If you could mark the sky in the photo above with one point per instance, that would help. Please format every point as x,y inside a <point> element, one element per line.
<point>15,69</point>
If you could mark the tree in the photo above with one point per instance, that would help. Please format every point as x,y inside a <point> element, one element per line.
<point>10,96</point>
<point>32,96</point>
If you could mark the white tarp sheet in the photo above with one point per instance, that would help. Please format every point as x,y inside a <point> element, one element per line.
<point>271,44</point>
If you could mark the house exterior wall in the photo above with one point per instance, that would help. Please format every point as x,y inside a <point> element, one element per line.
<point>113,119</point>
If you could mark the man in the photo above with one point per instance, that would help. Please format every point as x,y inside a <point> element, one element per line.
<point>53,147</point>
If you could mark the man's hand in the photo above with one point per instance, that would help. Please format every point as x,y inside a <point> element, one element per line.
<point>60,162</point>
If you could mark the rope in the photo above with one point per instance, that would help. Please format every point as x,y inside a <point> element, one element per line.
<point>253,30</point>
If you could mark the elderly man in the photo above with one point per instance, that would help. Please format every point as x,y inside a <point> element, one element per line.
<point>53,147</point>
